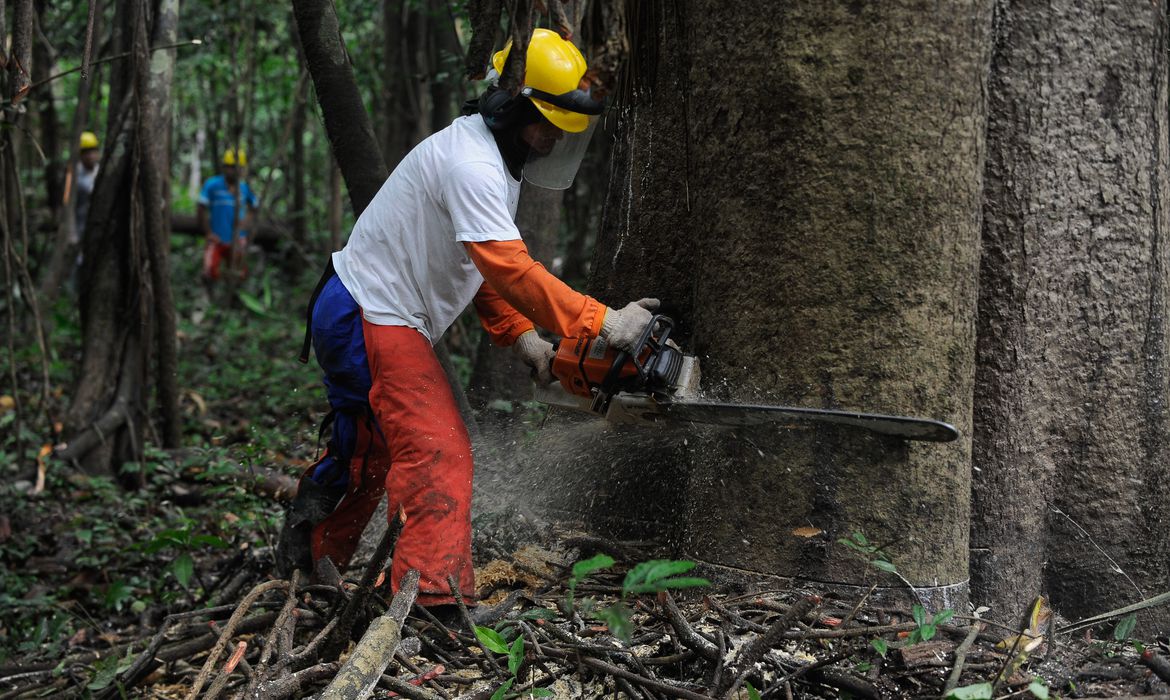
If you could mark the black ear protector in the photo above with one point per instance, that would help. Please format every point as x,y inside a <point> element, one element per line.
<point>497,107</point>
<point>503,111</point>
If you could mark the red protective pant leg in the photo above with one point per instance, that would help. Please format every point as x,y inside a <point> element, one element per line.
<point>430,454</point>
<point>338,535</point>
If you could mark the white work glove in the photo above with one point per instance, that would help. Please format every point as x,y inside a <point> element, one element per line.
<point>538,354</point>
<point>623,327</point>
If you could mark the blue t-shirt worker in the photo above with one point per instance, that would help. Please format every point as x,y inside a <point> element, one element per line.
<point>227,210</point>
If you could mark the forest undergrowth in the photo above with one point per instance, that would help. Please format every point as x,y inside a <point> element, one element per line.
<point>92,574</point>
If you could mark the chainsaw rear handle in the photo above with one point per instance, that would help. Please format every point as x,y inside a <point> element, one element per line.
<point>647,340</point>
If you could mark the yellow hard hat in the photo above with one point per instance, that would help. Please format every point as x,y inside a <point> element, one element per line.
<point>552,80</point>
<point>230,157</point>
<point>88,140</point>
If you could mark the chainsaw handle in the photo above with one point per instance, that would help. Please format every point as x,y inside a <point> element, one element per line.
<point>646,340</point>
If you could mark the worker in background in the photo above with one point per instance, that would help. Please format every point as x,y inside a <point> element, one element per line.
<point>84,177</point>
<point>226,212</point>
<point>439,235</point>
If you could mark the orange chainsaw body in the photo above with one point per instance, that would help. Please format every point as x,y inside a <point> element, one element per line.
<point>582,364</point>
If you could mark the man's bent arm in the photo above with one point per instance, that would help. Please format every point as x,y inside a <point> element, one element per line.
<point>535,292</point>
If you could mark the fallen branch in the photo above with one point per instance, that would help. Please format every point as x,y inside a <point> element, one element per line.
<point>751,653</point>
<point>686,634</point>
<point>340,637</point>
<point>230,629</point>
<point>362,670</point>
<point>961,658</point>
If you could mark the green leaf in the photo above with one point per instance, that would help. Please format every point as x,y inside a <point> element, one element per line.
<point>540,693</point>
<point>926,632</point>
<point>106,673</point>
<point>881,646</point>
<point>860,539</point>
<point>210,541</point>
<point>979,691</point>
<point>491,639</point>
<point>919,615</point>
<point>1124,627</point>
<point>516,655</point>
<point>118,594</point>
<point>884,565</point>
<point>183,568</point>
<point>753,694</point>
<point>1038,689</point>
<point>618,620</point>
<point>252,303</point>
<point>587,566</point>
<point>667,567</point>
<point>503,689</point>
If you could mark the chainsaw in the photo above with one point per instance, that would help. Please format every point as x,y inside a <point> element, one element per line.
<point>659,383</point>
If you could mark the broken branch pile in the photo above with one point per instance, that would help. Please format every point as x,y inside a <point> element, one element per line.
<point>345,640</point>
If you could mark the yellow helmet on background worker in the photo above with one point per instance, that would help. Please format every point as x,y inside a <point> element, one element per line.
<point>552,80</point>
<point>233,157</point>
<point>89,140</point>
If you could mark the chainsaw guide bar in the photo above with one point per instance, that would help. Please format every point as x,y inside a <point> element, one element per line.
<point>660,384</point>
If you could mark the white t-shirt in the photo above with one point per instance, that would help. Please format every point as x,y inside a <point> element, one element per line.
<point>404,263</point>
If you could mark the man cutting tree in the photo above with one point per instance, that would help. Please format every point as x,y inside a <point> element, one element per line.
<point>440,235</point>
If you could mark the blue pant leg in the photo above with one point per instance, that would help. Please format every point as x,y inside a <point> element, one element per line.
<point>340,347</point>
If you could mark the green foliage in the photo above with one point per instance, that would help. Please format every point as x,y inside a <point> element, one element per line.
<point>871,553</point>
<point>651,576</point>
<point>493,641</point>
<point>978,691</point>
<point>583,569</point>
<point>880,646</point>
<point>753,694</point>
<point>502,691</point>
<point>106,671</point>
<point>1124,629</point>
<point>927,628</point>
<point>1039,689</point>
<point>182,542</point>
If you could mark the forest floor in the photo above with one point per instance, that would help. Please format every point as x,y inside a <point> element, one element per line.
<point>168,591</point>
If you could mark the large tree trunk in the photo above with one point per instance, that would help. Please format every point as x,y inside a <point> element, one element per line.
<point>1072,489</point>
<point>805,197</point>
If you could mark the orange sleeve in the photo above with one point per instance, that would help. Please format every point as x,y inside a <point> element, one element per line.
<point>503,323</point>
<point>534,291</point>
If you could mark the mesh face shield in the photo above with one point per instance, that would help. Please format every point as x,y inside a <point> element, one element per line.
<point>556,170</point>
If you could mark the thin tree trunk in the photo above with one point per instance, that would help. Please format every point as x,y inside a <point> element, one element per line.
<point>335,206</point>
<point>346,122</point>
<point>43,61</point>
<point>20,59</point>
<point>299,127</point>
<point>154,75</point>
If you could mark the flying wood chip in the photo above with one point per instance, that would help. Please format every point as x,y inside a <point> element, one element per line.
<point>807,531</point>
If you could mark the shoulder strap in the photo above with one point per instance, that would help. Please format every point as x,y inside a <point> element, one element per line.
<point>308,344</point>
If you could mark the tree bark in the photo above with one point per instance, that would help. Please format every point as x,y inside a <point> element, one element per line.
<point>154,73</point>
<point>346,122</point>
<point>20,59</point>
<point>806,200</point>
<point>1071,427</point>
